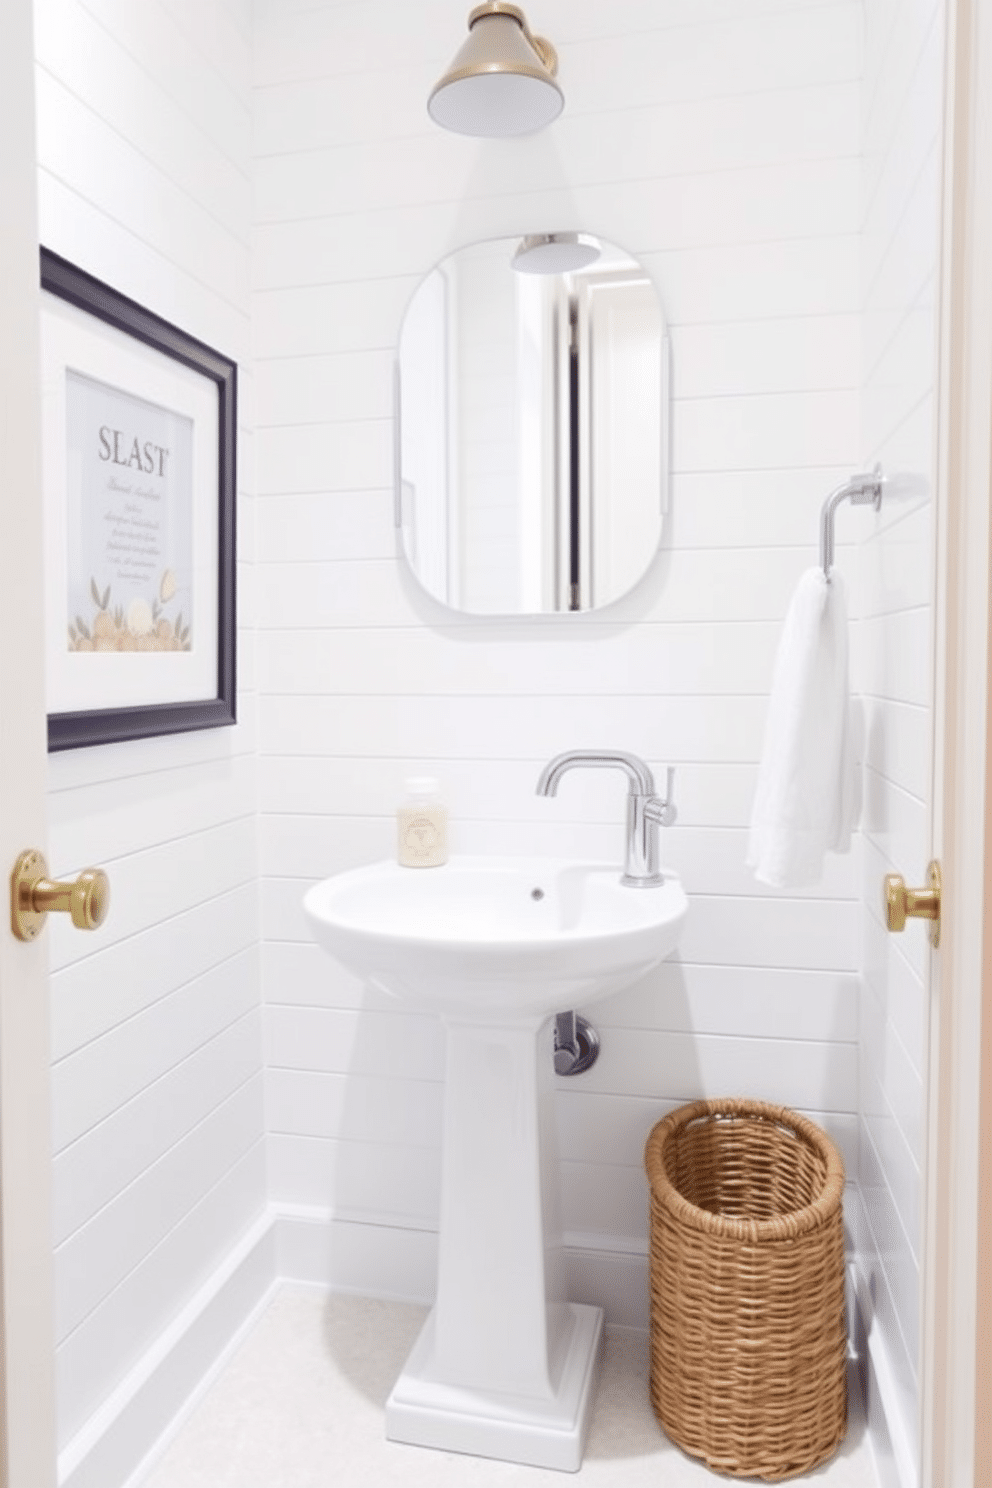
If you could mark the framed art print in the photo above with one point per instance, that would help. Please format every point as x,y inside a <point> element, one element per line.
<point>139,427</point>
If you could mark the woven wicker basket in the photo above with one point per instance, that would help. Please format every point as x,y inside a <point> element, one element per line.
<point>748,1340</point>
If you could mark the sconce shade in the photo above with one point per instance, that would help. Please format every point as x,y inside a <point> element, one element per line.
<point>502,81</point>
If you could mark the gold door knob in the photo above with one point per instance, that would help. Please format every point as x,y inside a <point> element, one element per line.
<point>33,894</point>
<point>924,904</point>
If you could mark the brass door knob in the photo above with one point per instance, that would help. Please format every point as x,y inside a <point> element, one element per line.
<point>924,904</point>
<point>33,894</point>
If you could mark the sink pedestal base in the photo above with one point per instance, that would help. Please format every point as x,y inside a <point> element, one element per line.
<point>505,1366</point>
<point>486,1423</point>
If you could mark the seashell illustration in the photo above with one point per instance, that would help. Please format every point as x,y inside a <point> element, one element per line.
<point>139,617</point>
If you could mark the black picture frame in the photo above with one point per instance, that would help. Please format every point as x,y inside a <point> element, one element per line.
<point>101,725</point>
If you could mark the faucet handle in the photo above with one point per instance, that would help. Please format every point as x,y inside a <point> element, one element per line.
<point>663,809</point>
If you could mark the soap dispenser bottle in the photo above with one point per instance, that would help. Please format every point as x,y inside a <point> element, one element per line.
<point>422,825</point>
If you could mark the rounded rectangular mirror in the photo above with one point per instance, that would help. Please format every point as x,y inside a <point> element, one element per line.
<point>533,426</point>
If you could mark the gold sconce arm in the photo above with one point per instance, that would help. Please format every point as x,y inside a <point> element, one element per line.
<point>538,44</point>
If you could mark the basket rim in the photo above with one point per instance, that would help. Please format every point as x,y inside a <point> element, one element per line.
<point>783,1226</point>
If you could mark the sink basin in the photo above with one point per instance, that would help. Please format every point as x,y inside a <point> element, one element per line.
<point>531,935</point>
<point>506,1364</point>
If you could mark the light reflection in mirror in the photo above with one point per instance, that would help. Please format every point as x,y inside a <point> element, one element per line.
<point>533,430</point>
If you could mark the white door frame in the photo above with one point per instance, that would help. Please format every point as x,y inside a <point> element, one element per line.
<point>949,1371</point>
<point>27,1409</point>
<point>949,1376</point>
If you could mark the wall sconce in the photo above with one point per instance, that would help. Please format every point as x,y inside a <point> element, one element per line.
<point>502,81</point>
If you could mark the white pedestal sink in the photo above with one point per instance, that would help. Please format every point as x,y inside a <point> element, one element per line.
<point>505,1366</point>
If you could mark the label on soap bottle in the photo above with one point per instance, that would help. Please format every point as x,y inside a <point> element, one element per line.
<point>422,836</point>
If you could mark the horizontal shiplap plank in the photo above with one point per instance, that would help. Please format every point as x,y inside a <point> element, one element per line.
<point>353,1108</point>
<point>791,933</point>
<point>710,729</point>
<point>904,1087</point>
<point>91,63</point>
<point>895,976</point>
<point>112,1338</point>
<point>603,72</point>
<point>303,38</point>
<point>707,795</point>
<point>355,1042</point>
<point>221,34</point>
<point>119,253</point>
<point>745,1001</point>
<point>90,997</point>
<point>162,881</point>
<point>894,160</point>
<point>898,649</point>
<point>702,285</point>
<point>81,150</point>
<point>891,1168</point>
<point>117,818</point>
<point>655,140</point>
<point>897,1249</point>
<point>325,389</point>
<point>704,586</point>
<point>797,934</point>
<point>896,565</point>
<point>900,255</point>
<point>683,657</point>
<point>72,768</point>
<point>97,1257</point>
<point>214,93</point>
<point>360,1181</point>
<point>756,205</point>
<point>904,374</point>
<point>109,1156</point>
<point>89,1085</point>
<point>782,356</point>
<point>897,823</point>
<point>683,1067</point>
<point>899,744</point>
<point>785,429</point>
<point>895,41</point>
<point>303,975</point>
<point>312,457</point>
<point>599,1131</point>
<point>807,934</point>
<point>708,860</point>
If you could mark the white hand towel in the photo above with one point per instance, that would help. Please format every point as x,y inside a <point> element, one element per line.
<point>804,803</point>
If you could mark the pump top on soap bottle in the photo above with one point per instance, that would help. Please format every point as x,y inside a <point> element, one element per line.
<point>422,825</point>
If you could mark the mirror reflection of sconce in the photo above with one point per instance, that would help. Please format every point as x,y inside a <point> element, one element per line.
<point>532,442</point>
<point>555,253</point>
<point>502,81</point>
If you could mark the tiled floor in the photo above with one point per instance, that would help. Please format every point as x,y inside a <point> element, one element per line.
<point>300,1406</point>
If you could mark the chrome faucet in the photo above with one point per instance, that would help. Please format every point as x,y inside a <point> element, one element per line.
<point>646,811</point>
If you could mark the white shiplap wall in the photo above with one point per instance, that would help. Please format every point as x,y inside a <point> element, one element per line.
<point>144,149</point>
<point>720,143</point>
<point>904,56</point>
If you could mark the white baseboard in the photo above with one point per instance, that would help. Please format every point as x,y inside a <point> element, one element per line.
<point>895,1457</point>
<point>163,1385</point>
<point>375,1260</point>
<point>395,1262</point>
<point>311,1245</point>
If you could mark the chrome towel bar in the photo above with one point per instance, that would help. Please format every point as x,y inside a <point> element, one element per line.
<point>860,490</point>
